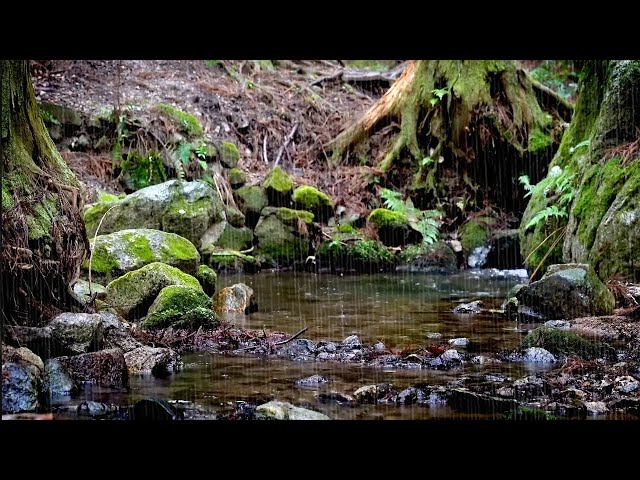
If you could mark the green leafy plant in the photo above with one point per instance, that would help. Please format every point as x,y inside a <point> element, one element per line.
<point>438,94</point>
<point>558,188</point>
<point>423,221</point>
<point>212,63</point>
<point>201,150</point>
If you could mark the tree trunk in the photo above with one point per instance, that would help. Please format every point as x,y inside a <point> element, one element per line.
<point>43,235</point>
<point>481,121</point>
<point>600,154</point>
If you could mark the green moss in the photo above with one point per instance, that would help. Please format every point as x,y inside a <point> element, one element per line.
<point>229,154</point>
<point>251,199</point>
<point>236,177</point>
<point>277,240</point>
<point>278,180</point>
<point>7,198</point>
<point>538,140</point>
<point>93,213</point>
<point>346,229</point>
<point>310,197</point>
<point>382,217</point>
<point>186,121</point>
<point>475,233</point>
<point>371,251</point>
<point>235,217</point>
<point>184,217</point>
<point>235,238</point>
<point>289,215</point>
<point>599,188</point>
<point>108,197</point>
<point>176,302</point>
<point>208,279</point>
<point>39,222</point>
<point>562,342</point>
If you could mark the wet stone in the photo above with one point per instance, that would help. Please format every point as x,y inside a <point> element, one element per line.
<point>596,408</point>
<point>410,396</point>
<point>379,347</point>
<point>154,409</point>
<point>626,384</point>
<point>433,335</point>
<point>506,392</point>
<point>459,342</point>
<point>561,324</point>
<point>471,307</point>
<point>371,393</point>
<point>336,397</point>
<point>96,410</point>
<point>313,380</point>
<point>352,341</point>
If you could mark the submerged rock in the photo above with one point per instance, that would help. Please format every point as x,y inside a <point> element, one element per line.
<point>276,410</point>
<point>132,294</point>
<point>237,298</point>
<point>120,252</point>
<point>471,307</point>
<point>371,393</point>
<point>160,362</point>
<point>467,401</point>
<point>107,368</point>
<point>96,410</point>
<point>459,342</point>
<point>313,380</point>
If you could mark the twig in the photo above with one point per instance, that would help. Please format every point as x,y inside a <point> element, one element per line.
<point>293,337</point>
<point>287,140</point>
<point>93,247</point>
<point>264,149</point>
<point>248,250</point>
<point>327,78</point>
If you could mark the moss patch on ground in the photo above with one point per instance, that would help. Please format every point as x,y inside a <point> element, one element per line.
<point>187,122</point>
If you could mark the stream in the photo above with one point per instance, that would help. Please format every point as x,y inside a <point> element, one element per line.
<point>399,309</point>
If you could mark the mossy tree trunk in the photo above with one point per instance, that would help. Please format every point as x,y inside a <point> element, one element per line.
<point>487,121</point>
<point>599,154</point>
<point>43,235</point>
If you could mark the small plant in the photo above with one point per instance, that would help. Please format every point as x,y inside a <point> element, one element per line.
<point>201,150</point>
<point>212,63</point>
<point>423,221</point>
<point>49,117</point>
<point>558,187</point>
<point>438,94</point>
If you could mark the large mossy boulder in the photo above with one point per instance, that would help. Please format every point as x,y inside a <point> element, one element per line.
<point>120,252</point>
<point>236,178</point>
<point>282,236</point>
<point>232,261</point>
<point>278,186</point>
<point>238,298</point>
<point>228,154</point>
<point>565,292</point>
<point>208,279</point>
<point>251,200</point>
<point>435,258</point>
<point>357,254</point>
<point>180,307</point>
<point>313,200</point>
<point>187,209</point>
<point>564,342</point>
<point>133,293</point>
<point>393,227</point>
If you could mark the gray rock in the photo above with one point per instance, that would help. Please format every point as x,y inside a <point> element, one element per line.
<point>336,397</point>
<point>96,409</point>
<point>81,289</point>
<point>276,410</point>
<point>410,396</point>
<point>626,384</point>
<point>313,380</point>
<point>107,368</point>
<point>471,307</point>
<point>379,347</point>
<point>57,380</point>
<point>467,401</point>
<point>433,335</point>
<point>596,408</point>
<point>160,362</point>
<point>77,332</point>
<point>301,347</point>
<point>459,342</point>
<point>483,359</point>
<point>538,355</point>
<point>371,393</point>
<point>507,392</point>
<point>328,347</point>
<point>561,324</point>
<point>566,292</point>
<point>22,375</point>
<point>352,341</point>
<point>450,356</point>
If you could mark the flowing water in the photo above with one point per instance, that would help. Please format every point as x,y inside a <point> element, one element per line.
<point>399,309</point>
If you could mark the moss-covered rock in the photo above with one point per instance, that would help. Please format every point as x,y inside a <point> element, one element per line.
<point>393,227</point>
<point>235,217</point>
<point>208,279</point>
<point>232,261</point>
<point>238,298</point>
<point>348,252</point>
<point>276,410</point>
<point>251,200</point>
<point>65,116</point>
<point>564,342</point>
<point>435,258</point>
<point>229,154</point>
<point>312,199</point>
<point>282,236</point>
<point>475,233</point>
<point>235,238</point>
<point>187,209</point>
<point>81,289</point>
<point>181,307</point>
<point>120,252</point>
<point>278,185</point>
<point>133,293</point>
<point>565,292</point>
<point>184,121</point>
<point>236,177</point>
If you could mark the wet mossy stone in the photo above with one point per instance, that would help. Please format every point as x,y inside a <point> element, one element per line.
<point>187,209</point>
<point>237,298</point>
<point>184,121</point>
<point>313,200</point>
<point>251,200</point>
<point>564,342</point>
<point>229,154</point>
<point>233,238</point>
<point>282,236</point>
<point>133,293</point>
<point>475,233</point>
<point>235,217</point>
<point>232,261</point>
<point>120,252</point>
<point>567,291</point>
<point>363,256</point>
<point>181,307</point>
<point>208,279</point>
<point>393,227</point>
<point>438,257</point>
<point>278,186</point>
<point>237,178</point>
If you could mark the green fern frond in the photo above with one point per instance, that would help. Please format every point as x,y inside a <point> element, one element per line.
<point>551,211</point>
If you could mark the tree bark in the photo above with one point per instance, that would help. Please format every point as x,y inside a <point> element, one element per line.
<point>43,235</point>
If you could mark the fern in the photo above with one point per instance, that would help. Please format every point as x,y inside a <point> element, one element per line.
<point>524,180</point>
<point>551,211</point>
<point>421,221</point>
<point>184,153</point>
